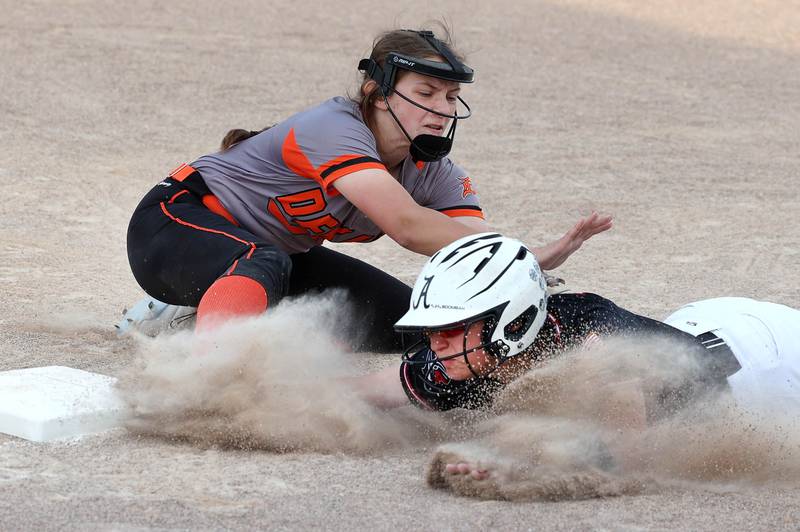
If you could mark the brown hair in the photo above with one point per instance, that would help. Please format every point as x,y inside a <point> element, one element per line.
<point>405,42</point>
<point>235,136</point>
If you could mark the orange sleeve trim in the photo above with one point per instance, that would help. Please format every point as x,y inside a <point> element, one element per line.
<point>453,213</point>
<point>331,165</point>
<point>330,178</point>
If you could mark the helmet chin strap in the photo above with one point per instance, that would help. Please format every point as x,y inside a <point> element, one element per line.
<point>424,147</point>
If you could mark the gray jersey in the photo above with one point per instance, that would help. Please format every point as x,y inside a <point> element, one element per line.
<point>278,184</point>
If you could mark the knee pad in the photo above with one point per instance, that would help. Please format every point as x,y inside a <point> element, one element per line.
<point>255,280</point>
<point>268,265</point>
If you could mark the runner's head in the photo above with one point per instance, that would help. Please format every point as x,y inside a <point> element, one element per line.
<point>416,77</point>
<point>477,302</point>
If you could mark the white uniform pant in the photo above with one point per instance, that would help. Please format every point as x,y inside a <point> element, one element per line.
<point>764,337</point>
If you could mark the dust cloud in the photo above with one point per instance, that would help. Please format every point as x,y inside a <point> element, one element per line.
<point>278,382</point>
<point>623,417</point>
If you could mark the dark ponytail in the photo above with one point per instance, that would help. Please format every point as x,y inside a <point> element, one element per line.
<point>234,136</point>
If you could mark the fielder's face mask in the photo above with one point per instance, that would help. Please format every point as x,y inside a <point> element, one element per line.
<point>424,147</point>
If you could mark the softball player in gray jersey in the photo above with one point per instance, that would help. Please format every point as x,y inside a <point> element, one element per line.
<point>306,155</point>
<point>235,231</point>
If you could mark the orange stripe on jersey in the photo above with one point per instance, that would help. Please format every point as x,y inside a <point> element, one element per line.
<point>297,161</point>
<point>325,175</point>
<point>341,172</point>
<point>477,213</point>
<point>182,172</point>
<point>326,168</point>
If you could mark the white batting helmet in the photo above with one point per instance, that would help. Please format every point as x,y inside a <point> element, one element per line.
<point>486,277</point>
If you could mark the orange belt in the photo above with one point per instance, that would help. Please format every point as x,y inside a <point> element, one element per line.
<point>211,202</point>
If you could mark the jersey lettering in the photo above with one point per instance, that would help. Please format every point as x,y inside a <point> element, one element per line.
<point>288,208</point>
<point>303,203</point>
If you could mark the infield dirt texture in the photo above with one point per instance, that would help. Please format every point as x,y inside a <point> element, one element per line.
<point>683,120</point>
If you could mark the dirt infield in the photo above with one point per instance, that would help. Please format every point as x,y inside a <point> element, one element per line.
<point>681,120</point>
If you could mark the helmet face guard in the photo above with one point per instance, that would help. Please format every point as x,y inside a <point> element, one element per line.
<point>482,277</point>
<point>426,148</point>
<point>497,349</point>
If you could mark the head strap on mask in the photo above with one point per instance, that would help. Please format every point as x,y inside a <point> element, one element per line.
<point>426,148</point>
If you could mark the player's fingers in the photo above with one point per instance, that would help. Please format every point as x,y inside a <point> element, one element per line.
<point>480,474</point>
<point>595,229</point>
<point>598,226</point>
<point>595,218</point>
<point>576,230</point>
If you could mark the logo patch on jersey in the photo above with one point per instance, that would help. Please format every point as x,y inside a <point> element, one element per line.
<point>466,187</point>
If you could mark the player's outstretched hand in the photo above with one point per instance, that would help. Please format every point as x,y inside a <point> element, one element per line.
<point>467,468</point>
<point>553,255</point>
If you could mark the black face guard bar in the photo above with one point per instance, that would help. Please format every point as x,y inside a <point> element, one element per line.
<point>497,349</point>
<point>385,79</point>
<point>426,147</point>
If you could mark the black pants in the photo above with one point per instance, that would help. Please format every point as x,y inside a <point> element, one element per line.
<point>177,248</point>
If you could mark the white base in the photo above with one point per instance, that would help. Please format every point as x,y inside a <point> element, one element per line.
<point>52,402</point>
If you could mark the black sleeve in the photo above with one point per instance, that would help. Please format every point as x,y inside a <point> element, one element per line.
<point>427,385</point>
<point>581,314</point>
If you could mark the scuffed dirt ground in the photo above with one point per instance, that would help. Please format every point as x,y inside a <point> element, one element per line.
<point>681,120</point>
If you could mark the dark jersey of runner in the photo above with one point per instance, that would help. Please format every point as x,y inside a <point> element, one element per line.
<point>572,319</point>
